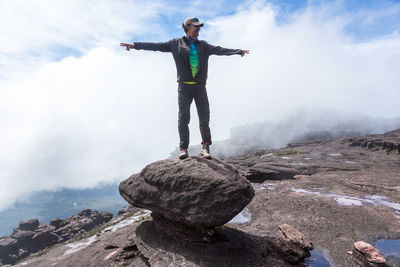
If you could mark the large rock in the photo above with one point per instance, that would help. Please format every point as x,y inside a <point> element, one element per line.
<point>195,191</point>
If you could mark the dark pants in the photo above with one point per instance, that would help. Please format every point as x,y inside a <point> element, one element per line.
<point>186,94</point>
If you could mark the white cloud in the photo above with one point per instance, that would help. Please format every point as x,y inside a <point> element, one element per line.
<point>102,116</point>
<point>34,32</point>
<point>309,61</point>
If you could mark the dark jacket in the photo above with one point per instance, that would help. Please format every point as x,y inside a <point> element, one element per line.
<point>180,48</point>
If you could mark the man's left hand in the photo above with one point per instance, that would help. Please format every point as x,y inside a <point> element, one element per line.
<point>244,52</point>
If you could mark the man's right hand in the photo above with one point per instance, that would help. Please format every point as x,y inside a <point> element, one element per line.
<point>128,46</point>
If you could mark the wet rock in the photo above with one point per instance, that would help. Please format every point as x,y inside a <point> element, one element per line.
<point>29,225</point>
<point>195,191</point>
<point>364,254</point>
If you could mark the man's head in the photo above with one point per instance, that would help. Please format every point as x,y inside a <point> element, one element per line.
<point>192,26</point>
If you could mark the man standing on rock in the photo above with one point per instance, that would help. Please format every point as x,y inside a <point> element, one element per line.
<point>191,59</point>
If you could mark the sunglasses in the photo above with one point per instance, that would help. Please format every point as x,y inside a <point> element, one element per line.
<point>194,20</point>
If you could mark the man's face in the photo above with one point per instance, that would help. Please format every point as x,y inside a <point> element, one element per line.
<point>193,31</point>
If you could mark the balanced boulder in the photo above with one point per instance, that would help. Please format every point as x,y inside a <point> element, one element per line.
<point>195,192</point>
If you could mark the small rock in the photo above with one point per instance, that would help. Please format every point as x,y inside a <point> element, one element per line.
<point>364,254</point>
<point>289,233</point>
<point>290,244</point>
<point>23,235</point>
<point>85,212</point>
<point>29,225</point>
<point>56,222</point>
<point>127,209</point>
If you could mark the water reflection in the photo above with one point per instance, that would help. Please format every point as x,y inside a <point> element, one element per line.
<point>243,217</point>
<point>356,201</point>
<point>317,259</point>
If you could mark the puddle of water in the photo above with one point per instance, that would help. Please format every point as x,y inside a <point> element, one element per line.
<point>317,259</point>
<point>378,200</point>
<point>285,157</point>
<point>349,162</point>
<point>266,155</point>
<point>298,164</point>
<point>335,154</point>
<point>307,158</point>
<point>349,201</point>
<point>389,247</point>
<point>268,186</point>
<point>141,214</point>
<point>243,217</point>
<point>397,187</point>
<point>74,247</point>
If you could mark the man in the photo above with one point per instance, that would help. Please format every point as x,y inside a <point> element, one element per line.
<point>191,59</point>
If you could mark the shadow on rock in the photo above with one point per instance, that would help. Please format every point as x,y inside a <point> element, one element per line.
<point>228,247</point>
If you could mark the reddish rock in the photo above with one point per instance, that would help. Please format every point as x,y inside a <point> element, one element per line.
<point>290,244</point>
<point>365,254</point>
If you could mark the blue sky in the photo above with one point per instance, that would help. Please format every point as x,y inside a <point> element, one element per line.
<point>76,109</point>
<point>366,19</point>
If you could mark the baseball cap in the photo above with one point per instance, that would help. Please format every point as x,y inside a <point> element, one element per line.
<point>194,21</point>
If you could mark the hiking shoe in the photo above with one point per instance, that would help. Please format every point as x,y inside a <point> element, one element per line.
<point>183,154</point>
<point>205,151</point>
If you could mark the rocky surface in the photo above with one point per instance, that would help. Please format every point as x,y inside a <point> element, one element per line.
<point>330,193</point>
<point>32,236</point>
<point>334,192</point>
<point>139,242</point>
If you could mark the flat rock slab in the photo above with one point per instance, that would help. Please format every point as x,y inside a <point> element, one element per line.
<point>195,191</point>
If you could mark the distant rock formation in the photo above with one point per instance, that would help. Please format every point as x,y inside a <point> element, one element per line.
<point>32,236</point>
<point>388,141</point>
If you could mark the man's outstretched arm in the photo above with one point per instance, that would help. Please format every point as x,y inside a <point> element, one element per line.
<point>162,47</point>
<point>221,51</point>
